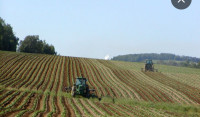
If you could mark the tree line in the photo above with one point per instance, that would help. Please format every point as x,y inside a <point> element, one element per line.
<point>31,43</point>
<point>8,40</point>
<point>163,58</point>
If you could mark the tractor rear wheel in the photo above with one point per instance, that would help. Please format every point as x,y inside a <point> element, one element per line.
<point>87,92</point>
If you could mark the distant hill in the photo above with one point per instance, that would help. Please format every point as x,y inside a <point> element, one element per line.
<point>154,56</point>
<point>163,58</point>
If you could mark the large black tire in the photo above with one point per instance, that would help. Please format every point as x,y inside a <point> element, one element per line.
<point>87,91</point>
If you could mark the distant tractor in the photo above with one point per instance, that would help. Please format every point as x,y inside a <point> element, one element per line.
<point>80,88</point>
<point>149,66</point>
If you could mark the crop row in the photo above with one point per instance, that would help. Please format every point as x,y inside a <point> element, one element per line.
<point>190,92</point>
<point>33,104</point>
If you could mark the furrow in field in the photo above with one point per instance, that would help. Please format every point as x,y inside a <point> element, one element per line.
<point>7,74</point>
<point>139,90</point>
<point>4,57</point>
<point>45,73</point>
<point>9,107</point>
<point>48,107</point>
<point>107,70</point>
<point>20,81</point>
<point>74,71</point>
<point>171,94</point>
<point>110,106</point>
<point>66,78</point>
<point>129,112</point>
<point>33,105</point>
<point>191,92</point>
<point>57,107</point>
<point>9,99</point>
<point>12,64</point>
<point>145,92</point>
<point>71,72</point>
<point>61,87</point>
<point>137,111</point>
<point>70,75</point>
<point>48,76</point>
<point>70,111</point>
<point>157,90</point>
<point>115,86</point>
<point>189,79</point>
<point>154,92</point>
<point>81,107</point>
<point>24,74</point>
<point>121,109</point>
<point>102,81</point>
<point>78,108</point>
<point>40,69</point>
<point>92,78</point>
<point>21,108</point>
<point>66,109</point>
<point>5,95</point>
<point>77,67</point>
<point>97,109</point>
<point>39,78</point>
<point>19,103</point>
<point>52,75</point>
<point>7,60</point>
<point>41,107</point>
<point>57,76</point>
<point>112,81</point>
<point>88,108</point>
<point>100,105</point>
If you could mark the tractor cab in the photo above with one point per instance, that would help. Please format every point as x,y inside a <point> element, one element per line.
<point>149,62</point>
<point>81,81</point>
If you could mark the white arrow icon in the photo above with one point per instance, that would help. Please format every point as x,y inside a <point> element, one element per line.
<point>182,1</point>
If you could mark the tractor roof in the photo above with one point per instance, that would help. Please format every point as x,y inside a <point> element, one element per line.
<point>80,78</point>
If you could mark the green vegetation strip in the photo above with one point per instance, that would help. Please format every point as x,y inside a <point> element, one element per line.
<point>190,110</point>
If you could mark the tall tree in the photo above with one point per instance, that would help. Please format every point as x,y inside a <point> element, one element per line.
<point>8,40</point>
<point>32,44</point>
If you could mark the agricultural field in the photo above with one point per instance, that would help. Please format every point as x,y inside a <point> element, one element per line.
<point>34,85</point>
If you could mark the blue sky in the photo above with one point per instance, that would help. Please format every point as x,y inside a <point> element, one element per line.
<point>96,28</point>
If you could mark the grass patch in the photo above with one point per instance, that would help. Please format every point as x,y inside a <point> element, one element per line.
<point>168,107</point>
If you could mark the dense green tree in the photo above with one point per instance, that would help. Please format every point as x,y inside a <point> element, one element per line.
<point>32,44</point>
<point>162,56</point>
<point>8,40</point>
<point>48,49</point>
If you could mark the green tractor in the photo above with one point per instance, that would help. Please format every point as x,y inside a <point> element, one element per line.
<point>149,66</point>
<point>80,88</point>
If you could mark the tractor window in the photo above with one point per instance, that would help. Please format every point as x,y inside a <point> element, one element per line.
<point>149,62</point>
<point>83,82</point>
<point>80,82</point>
